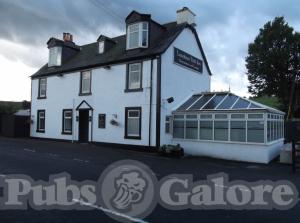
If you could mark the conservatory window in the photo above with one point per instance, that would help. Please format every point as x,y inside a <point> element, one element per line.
<point>238,131</point>
<point>191,127</point>
<point>206,130</point>
<point>221,130</point>
<point>178,126</point>
<point>255,131</point>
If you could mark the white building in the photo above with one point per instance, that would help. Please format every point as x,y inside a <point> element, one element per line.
<point>124,90</point>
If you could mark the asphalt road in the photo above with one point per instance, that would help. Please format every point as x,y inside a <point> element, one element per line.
<point>39,159</point>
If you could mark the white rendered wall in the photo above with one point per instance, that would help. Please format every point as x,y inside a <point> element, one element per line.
<point>107,97</point>
<point>180,82</point>
<point>232,151</point>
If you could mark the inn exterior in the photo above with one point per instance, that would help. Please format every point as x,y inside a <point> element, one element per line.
<point>148,88</point>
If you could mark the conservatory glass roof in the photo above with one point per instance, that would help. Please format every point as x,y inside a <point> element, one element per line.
<point>219,101</point>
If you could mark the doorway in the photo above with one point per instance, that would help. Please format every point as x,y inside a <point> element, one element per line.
<point>83,125</point>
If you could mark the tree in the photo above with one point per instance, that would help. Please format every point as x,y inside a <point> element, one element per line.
<point>273,62</point>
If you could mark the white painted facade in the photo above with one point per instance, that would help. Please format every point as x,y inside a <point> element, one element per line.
<point>108,96</point>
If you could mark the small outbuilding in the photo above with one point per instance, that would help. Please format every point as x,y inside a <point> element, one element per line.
<point>224,125</point>
<point>16,125</point>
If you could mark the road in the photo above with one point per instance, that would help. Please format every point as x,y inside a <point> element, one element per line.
<point>39,159</point>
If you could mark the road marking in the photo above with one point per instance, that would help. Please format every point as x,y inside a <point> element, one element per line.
<point>2,175</point>
<point>110,211</point>
<point>29,150</point>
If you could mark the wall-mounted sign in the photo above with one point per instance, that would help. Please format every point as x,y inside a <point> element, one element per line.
<point>187,60</point>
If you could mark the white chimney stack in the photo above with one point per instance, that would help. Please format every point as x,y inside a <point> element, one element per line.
<point>185,15</point>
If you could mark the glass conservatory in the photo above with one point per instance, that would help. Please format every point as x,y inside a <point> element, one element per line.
<point>224,118</point>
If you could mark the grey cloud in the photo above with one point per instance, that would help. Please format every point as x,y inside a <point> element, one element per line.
<point>225,27</point>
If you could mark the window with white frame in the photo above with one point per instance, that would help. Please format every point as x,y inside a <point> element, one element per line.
<point>255,131</point>
<point>67,121</point>
<point>134,76</point>
<point>275,127</point>
<point>41,116</point>
<point>85,82</point>
<point>238,131</point>
<point>178,126</point>
<point>227,127</point>
<point>191,127</point>
<point>42,88</point>
<point>101,47</point>
<point>54,56</point>
<point>137,35</point>
<point>133,123</point>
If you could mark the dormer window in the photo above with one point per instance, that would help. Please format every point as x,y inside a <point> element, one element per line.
<point>137,35</point>
<point>54,56</point>
<point>101,47</point>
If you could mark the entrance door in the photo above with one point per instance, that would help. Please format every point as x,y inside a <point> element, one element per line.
<point>83,125</point>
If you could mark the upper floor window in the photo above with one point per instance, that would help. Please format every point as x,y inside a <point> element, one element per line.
<point>134,77</point>
<point>137,35</point>
<point>85,82</point>
<point>101,47</point>
<point>42,88</point>
<point>54,56</point>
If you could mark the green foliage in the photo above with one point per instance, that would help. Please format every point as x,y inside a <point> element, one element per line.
<point>8,107</point>
<point>268,100</point>
<point>273,61</point>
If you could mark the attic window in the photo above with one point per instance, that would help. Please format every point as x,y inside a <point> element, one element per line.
<point>137,35</point>
<point>54,56</point>
<point>101,47</point>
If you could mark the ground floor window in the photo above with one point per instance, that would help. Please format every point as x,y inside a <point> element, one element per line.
<point>237,127</point>
<point>178,126</point>
<point>101,121</point>
<point>255,131</point>
<point>238,131</point>
<point>221,130</point>
<point>168,124</point>
<point>67,121</point>
<point>41,121</point>
<point>206,130</point>
<point>133,116</point>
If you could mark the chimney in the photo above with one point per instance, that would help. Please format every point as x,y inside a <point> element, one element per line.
<point>185,15</point>
<point>67,37</point>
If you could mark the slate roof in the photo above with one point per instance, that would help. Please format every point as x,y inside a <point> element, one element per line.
<point>88,56</point>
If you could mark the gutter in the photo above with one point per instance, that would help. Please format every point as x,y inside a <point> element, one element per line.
<point>150,103</point>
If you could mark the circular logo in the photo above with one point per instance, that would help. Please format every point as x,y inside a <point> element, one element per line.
<point>127,189</point>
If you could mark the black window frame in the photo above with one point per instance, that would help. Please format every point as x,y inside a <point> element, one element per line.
<point>102,121</point>
<point>127,89</point>
<point>63,122</point>
<point>38,121</point>
<point>127,109</point>
<point>39,89</point>
<point>168,121</point>
<point>80,84</point>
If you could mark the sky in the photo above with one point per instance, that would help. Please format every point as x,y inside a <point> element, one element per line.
<point>225,28</point>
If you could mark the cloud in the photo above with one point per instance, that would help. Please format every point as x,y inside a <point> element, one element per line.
<point>225,29</point>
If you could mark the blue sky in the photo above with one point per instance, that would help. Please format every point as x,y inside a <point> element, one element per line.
<point>225,29</point>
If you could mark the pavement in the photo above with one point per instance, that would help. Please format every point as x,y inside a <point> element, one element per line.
<point>41,158</point>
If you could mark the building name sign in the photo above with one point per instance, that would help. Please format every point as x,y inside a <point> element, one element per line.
<point>187,60</point>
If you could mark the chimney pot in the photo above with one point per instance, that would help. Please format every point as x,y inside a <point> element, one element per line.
<point>185,15</point>
<point>67,37</point>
